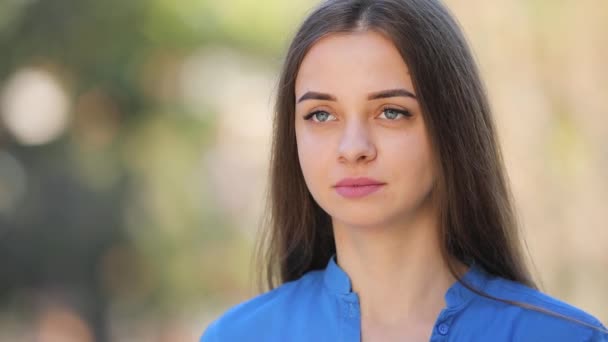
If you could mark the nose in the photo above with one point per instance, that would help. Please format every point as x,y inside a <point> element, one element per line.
<point>356,144</point>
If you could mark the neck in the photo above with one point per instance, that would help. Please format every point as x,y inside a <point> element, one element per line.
<point>397,269</point>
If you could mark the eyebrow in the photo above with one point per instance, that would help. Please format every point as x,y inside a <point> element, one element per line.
<point>314,95</point>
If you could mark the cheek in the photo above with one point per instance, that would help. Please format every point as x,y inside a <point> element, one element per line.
<point>410,160</point>
<point>313,157</point>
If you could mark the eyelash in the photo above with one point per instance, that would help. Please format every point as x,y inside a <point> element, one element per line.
<point>405,113</point>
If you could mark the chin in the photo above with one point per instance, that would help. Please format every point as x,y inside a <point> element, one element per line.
<point>358,216</point>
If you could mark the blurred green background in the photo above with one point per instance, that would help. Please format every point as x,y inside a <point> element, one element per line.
<point>134,143</point>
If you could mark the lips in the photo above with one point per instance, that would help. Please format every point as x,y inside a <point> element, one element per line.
<point>357,187</point>
<point>362,181</point>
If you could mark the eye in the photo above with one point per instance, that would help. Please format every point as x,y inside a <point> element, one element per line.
<point>319,116</point>
<point>393,113</point>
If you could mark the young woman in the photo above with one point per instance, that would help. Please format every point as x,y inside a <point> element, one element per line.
<point>391,218</point>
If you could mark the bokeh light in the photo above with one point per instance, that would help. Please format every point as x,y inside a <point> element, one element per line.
<point>34,107</point>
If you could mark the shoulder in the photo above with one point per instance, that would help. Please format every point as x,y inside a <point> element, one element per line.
<point>251,317</point>
<point>534,315</point>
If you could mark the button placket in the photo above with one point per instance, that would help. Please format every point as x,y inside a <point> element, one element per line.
<point>352,305</point>
<point>352,324</point>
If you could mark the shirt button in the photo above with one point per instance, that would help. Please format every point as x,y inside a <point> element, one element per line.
<point>443,328</point>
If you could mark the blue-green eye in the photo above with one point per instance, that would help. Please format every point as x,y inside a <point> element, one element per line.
<point>319,116</point>
<point>393,114</point>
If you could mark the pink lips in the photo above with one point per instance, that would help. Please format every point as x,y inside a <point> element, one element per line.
<point>357,187</point>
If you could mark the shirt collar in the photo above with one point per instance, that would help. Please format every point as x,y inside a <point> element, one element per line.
<point>335,277</point>
<point>458,294</point>
<point>337,281</point>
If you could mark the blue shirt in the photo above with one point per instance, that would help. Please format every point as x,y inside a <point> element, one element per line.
<point>320,306</point>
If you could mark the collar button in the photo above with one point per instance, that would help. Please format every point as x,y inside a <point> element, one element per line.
<point>443,329</point>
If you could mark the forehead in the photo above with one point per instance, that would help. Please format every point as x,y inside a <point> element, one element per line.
<point>362,60</point>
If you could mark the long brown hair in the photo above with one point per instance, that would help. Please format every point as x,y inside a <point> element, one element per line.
<point>477,220</point>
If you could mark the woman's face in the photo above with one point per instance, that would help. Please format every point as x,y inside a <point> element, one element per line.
<point>357,116</point>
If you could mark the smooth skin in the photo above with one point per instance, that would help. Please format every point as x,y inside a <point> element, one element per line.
<point>348,126</point>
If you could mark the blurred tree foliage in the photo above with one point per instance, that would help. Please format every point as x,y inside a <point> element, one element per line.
<point>117,213</point>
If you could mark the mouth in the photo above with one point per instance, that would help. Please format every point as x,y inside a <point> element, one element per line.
<point>361,181</point>
<point>358,190</point>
